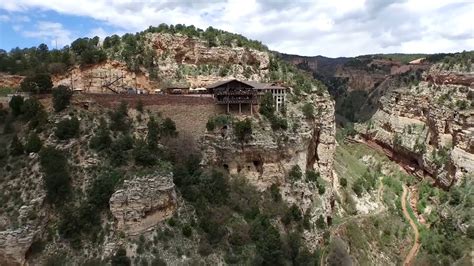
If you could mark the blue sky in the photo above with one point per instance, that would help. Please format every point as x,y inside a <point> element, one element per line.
<point>306,27</point>
<point>26,29</point>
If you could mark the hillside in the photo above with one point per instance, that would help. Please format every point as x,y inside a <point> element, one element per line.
<point>154,179</point>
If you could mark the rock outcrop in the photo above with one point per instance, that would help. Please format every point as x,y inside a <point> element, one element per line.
<point>15,242</point>
<point>99,78</point>
<point>269,155</point>
<point>10,81</point>
<point>143,202</point>
<point>431,125</point>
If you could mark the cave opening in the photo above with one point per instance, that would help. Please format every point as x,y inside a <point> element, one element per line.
<point>226,167</point>
<point>258,165</point>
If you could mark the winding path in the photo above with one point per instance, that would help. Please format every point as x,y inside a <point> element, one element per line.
<point>416,245</point>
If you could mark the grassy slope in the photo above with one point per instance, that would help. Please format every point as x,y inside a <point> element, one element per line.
<point>372,235</point>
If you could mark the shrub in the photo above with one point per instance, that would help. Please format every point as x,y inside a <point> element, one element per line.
<point>8,127</point>
<point>295,173</point>
<point>312,176</point>
<point>275,193</point>
<point>267,107</point>
<point>461,104</point>
<point>278,123</point>
<point>102,189</point>
<point>295,213</point>
<point>101,139</point>
<point>120,258</point>
<point>157,261</point>
<point>210,125</point>
<point>118,118</point>
<point>142,154</point>
<point>61,97</point>
<point>33,144</point>
<point>358,187</point>
<point>267,240</point>
<point>34,112</point>
<point>56,178</point>
<point>321,188</point>
<point>343,182</point>
<point>16,147</point>
<point>152,136</point>
<point>15,104</point>
<point>243,129</point>
<point>320,222</point>
<point>168,128</point>
<point>30,108</point>
<point>38,83</point>
<point>187,230</point>
<point>67,128</point>
<point>308,110</point>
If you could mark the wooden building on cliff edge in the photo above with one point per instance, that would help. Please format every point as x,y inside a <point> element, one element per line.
<point>246,93</point>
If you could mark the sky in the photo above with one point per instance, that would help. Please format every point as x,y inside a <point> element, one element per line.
<point>330,27</point>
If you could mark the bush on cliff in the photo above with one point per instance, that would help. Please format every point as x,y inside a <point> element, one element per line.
<point>308,110</point>
<point>101,139</point>
<point>67,128</point>
<point>243,129</point>
<point>15,104</point>
<point>295,173</point>
<point>118,118</point>
<point>168,128</point>
<point>16,147</point>
<point>56,176</point>
<point>37,83</point>
<point>61,97</point>
<point>33,144</point>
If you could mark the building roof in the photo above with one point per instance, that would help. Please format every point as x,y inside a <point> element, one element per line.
<point>177,86</point>
<point>222,82</point>
<point>253,84</point>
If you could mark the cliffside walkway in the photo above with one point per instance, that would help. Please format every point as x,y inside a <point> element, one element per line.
<point>416,245</point>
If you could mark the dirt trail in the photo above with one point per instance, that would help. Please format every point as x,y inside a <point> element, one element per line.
<point>416,245</point>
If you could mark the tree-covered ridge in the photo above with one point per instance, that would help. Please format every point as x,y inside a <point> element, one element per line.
<point>130,48</point>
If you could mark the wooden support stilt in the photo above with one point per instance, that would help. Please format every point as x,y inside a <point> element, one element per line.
<point>227,107</point>
<point>240,108</point>
<point>251,109</point>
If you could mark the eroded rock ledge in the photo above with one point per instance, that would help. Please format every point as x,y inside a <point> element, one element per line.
<point>143,202</point>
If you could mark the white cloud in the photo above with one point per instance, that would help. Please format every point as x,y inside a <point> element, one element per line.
<point>4,18</point>
<point>51,32</point>
<point>332,28</point>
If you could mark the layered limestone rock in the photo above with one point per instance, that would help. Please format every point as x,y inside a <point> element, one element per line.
<point>430,124</point>
<point>143,202</point>
<point>10,81</point>
<point>99,78</point>
<point>175,51</point>
<point>15,242</point>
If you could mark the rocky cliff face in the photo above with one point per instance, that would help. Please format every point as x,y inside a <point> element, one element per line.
<point>15,242</point>
<point>100,77</point>
<point>269,155</point>
<point>430,125</point>
<point>143,202</point>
